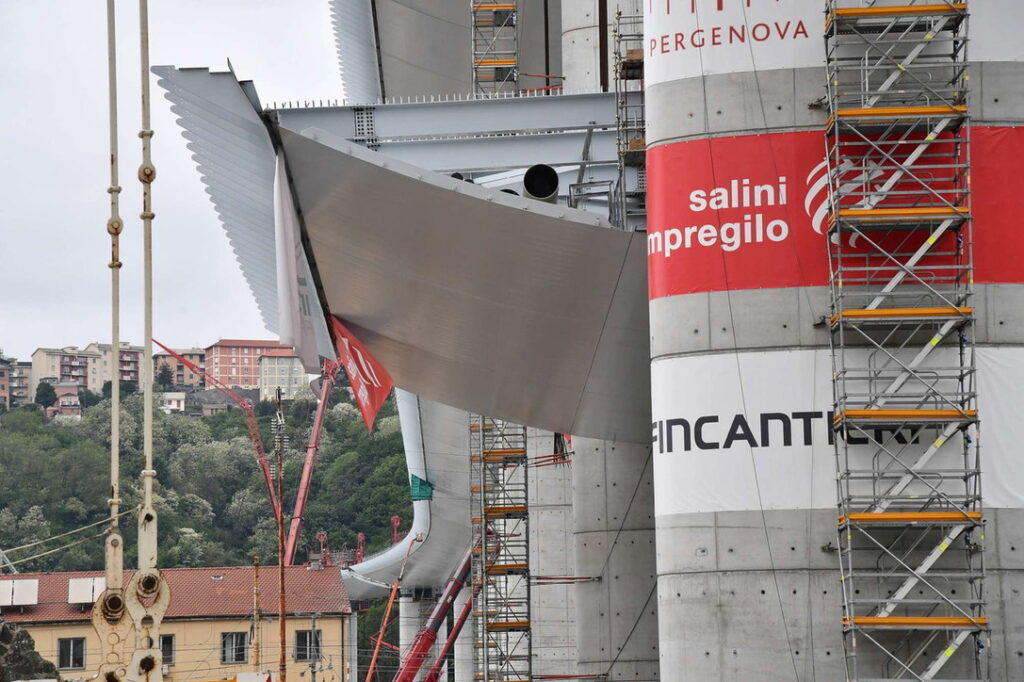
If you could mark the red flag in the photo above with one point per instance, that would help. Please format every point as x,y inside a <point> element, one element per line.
<point>370,382</point>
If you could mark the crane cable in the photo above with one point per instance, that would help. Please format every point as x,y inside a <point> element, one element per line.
<point>113,550</point>
<point>36,543</point>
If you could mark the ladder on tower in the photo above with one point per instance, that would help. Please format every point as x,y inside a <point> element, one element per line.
<point>495,27</point>
<point>501,570</point>
<point>910,520</point>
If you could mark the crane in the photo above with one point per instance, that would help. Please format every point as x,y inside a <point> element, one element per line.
<point>250,421</point>
<point>330,375</point>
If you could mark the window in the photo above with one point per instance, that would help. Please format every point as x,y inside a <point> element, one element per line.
<point>233,647</point>
<point>71,653</point>
<point>307,645</point>
<point>167,649</point>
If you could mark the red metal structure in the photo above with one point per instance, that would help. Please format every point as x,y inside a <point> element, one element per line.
<point>360,547</point>
<point>250,421</point>
<point>330,374</point>
<point>426,637</point>
<point>396,521</point>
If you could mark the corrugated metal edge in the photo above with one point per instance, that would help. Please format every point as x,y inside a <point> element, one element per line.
<point>235,160</point>
<point>356,45</point>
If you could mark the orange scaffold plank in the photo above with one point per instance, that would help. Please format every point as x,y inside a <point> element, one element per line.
<point>508,625</point>
<point>922,622</point>
<point>498,511</point>
<point>900,112</point>
<point>900,313</point>
<point>906,415</point>
<point>909,517</point>
<point>491,6</point>
<point>901,10</point>
<point>494,62</point>
<point>504,569</point>
<point>886,214</point>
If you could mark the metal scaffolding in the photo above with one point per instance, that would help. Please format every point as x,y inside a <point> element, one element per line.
<point>498,494</point>
<point>902,336</point>
<point>630,191</point>
<point>495,27</point>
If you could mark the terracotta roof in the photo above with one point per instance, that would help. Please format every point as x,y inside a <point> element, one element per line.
<point>279,353</point>
<point>199,593</point>
<point>248,343</point>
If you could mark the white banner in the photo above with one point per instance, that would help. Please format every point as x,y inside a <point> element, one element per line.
<point>688,38</point>
<point>746,431</point>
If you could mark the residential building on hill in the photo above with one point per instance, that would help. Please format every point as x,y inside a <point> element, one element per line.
<point>68,407</point>
<point>5,383</point>
<point>128,363</point>
<point>282,368</point>
<point>20,384</point>
<point>236,362</point>
<point>68,365</point>
<point>182,375</point>
<point>210,630</point>
<point>89,367</point>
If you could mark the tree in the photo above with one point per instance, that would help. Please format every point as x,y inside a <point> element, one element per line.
<point>165,377</point>
<point>127,388</point>
<point>87,398</point>
<point>45,395</point>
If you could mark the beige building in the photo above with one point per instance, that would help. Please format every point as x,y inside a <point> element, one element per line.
<point>182,375</point>
<point>88,367</point>
<point>283,369</point>
<point>128,363</point>
<point>68,365</point>
<point>209,631</point>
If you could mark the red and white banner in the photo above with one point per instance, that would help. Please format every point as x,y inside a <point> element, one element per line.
<point>749,212</point>
<point>370,382</point>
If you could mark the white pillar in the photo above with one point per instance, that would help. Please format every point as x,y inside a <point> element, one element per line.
<point>464,642</point>
<point>352,648</point>
<point>408,623</point>
<point>442,637</point>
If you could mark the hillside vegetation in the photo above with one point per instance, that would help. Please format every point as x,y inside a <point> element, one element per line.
<point>213,504</point>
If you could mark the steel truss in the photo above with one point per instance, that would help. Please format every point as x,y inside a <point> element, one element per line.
<point>495,47</point>
<point>499,507</point>
<point>902,335</point>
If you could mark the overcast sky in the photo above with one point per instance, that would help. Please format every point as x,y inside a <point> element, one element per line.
<point>54,279</point>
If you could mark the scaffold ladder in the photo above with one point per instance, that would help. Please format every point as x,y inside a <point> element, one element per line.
<point>495,27</point>
<point>629,206</point>
<point>499,507</point>
<point>902,336</point>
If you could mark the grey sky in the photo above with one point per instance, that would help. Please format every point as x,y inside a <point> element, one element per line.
<point>54,279</point>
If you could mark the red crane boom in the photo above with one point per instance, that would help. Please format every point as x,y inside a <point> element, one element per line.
<point>250,421</point>
<point>331,370</point>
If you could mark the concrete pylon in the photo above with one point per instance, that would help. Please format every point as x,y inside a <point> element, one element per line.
<point>463,650</point>
<point>613,499</point>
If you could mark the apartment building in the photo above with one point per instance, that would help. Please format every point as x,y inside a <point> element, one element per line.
<point>236,362</point>
<point>68,365</point>
<point>210,630</point>
<point>5,383</point>
<point>20,384</point>
<point>282,368</point>
<point>183,376</point>
<point>128,363</point>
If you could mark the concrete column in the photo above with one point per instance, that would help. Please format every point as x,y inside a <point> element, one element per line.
<point>552,607</point>
<point>352,647</point>
<point>613,501</point>
<point>464,642</point>
<point>408,623</point>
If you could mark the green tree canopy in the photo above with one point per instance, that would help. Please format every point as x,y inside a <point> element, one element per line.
<point>45,395</point>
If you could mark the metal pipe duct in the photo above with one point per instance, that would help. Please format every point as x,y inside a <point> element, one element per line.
<point>540,182</point>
